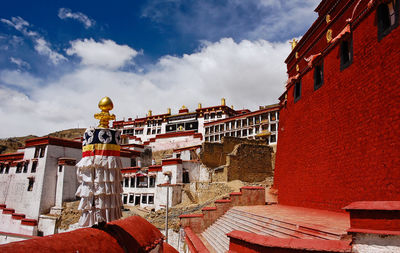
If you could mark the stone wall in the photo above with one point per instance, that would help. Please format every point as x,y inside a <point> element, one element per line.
<point>236,158</point>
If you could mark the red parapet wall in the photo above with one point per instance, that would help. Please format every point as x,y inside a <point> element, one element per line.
<point>340,143</point>
<point>245,242</point>
<point>133,234</point>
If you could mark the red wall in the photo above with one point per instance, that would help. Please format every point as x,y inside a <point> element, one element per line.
<point>341,143</point>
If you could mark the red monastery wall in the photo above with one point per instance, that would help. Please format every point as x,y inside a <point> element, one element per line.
<point>340,143</point>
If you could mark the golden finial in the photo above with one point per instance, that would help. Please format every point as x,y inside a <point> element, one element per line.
<point>294,43</point>
<point>169,111</point>
<point>150,113</point>
<point>199,106</point>
<point>329,35</point>
<point>328,18</point>
<point>183,107</point>
<point>223,102</point>
<point>104,116</point>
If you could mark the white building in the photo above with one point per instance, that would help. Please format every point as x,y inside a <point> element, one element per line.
<point>189,128</point>
<point>36,181</point>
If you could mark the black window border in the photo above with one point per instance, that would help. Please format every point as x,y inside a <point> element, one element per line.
<point>343,65</point>
<point>321,66</point>
<point>294,91</point>
<point>382,34</point>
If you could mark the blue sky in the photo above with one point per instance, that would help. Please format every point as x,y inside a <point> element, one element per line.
<point>58,58</point>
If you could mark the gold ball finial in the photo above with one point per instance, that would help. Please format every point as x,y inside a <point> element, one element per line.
<point>106,104</point>
<point>104,116</point>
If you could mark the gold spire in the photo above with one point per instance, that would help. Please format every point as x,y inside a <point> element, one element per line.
<point>104,116</point>
<point>183,107</point>
<point>294,43</point>
<point>169,111</point>
<point>150,113</point>
<point>199,106</point>
<point>223,102</point>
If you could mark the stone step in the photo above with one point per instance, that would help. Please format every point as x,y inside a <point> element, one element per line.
<point>299,231</point>
<point>217,238</point>
<point>210,237</point>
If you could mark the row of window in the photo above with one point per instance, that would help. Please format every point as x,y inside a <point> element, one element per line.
<point>221,128</point>
<point>388,19</point>
<point>212,115</point>
<point>136,199</point>
<point>218,137</point>
<point>139,182</point>
<point>21,168</point>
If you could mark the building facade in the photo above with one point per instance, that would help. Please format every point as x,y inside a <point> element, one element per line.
<point>190,128</point>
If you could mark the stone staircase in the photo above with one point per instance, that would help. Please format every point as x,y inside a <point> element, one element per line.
<point>235,219</point>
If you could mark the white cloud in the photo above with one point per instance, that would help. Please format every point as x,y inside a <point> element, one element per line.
<point>64,13</point>
<point>106,54</point>
<point>41,46</point>
<point>19,79</point>
<point>20,63</point>
<point>247,74</point>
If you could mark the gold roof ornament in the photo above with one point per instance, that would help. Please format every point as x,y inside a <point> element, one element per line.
<point>329,35</point>
<point>328,18</point>
<point>105,105</point>
<point>183,107</point>
<point>294,43</point>
<point>223,103</point>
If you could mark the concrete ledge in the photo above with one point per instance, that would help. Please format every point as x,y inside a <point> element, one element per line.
<point>194,243</point>
<point>2,206</point>
<point>374,216</point>
<point>8,211</point>
<point>235,193</point>
<point>29,222</point>
<point>194,221</point>
<point>18,216</point>
<point>241,241</point>
<point>209,208</point>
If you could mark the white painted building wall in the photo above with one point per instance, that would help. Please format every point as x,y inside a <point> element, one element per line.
<point>375,243</point>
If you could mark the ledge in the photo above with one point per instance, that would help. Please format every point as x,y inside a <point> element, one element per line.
<point>191,215</point>
<point>29,222</point>
<point>290,243</point>
<point>372,231</point>
<point>2,206</point>
<point>18,216</point>
<point>195,242</point>
<point>222,201</point>
<point>374,205</point>
<point>235,193</point>
<point>210,208</point>
<point>8,211</point>
<point>252,188</point>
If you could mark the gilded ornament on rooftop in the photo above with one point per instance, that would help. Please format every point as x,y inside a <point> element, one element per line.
<point>328,18</point>
<point>105,105</point>
<point>297,55</point>
<point>293,43</point>
<point>329,35</point>
<point>297,68</point>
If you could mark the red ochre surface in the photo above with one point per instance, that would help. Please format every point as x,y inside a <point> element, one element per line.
<point>327,221</point>
<point>340,143</point>
<point>248,242</point>
<point>127,235</point>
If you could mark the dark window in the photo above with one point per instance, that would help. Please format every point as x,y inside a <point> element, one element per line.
<point>387,17</point>
<point>238,134</point>
<point>141,182</point>
<point>144,199</point>
<point>125,199</point>
<point>212,115</point>
<point>272,116</point>
<point>206,116</point>
<point>137,200</point>
<point>42,149</point>
<point>346,54</point>
<point>133,162</point>
<point>191,125</point>
<point>7,169</point>
<point>273,138</point>
<point>37,151</point>
<point>19,168</point>
<point>148,131</point>
<point>185,177</point>
<point>1,168</point>
<point>318,76</point>
<point>60,167</point>
<point>153,131</point>
<point>171,128</point>
<point>151,199</point>
<point>297,91</point>
<point>132,182</point>
<point>131,198</point>
<point>219,114</point>
<point>126,181</point>
<point>273,127</point>
<point>159,131</point>
<point>244,132</point>
<point>207,138</point>
<point>152,182</point>
<point>250,131</point>
<point>30,184</point>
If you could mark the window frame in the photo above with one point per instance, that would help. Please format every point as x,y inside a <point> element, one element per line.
<point>319,72</point>
<point>297,98</point>
<point>383,32</point>
<point>349,41</point>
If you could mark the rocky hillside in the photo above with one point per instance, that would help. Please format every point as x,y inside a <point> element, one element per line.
<point>10,145</point>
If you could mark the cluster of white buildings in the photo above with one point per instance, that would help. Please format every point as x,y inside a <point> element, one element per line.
<point>39,178</point>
